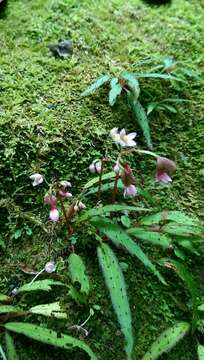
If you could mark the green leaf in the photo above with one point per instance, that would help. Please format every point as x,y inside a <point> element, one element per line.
<point>105,187</point>
<point>44,285</point>
<point>159,76</point>
<point>142,120</point>
<point>49,337</point>
<point>115,91</point>
<point>125,220</point>
<point>94,181</point>
<point>165,215</point>
<point>107,209</point>
<point>52,309</point>
<point>9,309</point>
<point>132,82</point>
<point>116,286</point>
<point>183,230</point>
<point>189,282</point>
<point>167,340</point>
<point>187,244</point>
<point>77,272</point>
<point>200,352</point>
<point>151,107</point>
<point>79,297</point>
<point>120,238</point>
<point>150,236</point>
<point>96,85</point>
<point>10,347</point>
<point>2,353</point>
<point>4,298</point>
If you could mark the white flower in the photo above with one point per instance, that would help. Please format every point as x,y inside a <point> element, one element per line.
<point>81,205</point>
<point>127,139</point>
<point>64,184</point>
<point>37,179</point>
<point>50,267</point>
<point>98,167</point>
<point>115,135</point>
<point>92,168</point>
<point>116,168</point>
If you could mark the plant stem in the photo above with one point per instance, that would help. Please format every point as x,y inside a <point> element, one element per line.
<point>100,180</point>
<point>115,188</point>
<point>69,229</point>
<point>36,276</point>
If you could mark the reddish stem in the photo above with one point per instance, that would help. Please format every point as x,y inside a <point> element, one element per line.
<point>69,228</point>
<point>100,180</point>
<point>115,188</point>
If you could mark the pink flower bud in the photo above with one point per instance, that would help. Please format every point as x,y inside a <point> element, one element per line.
<point>51,200</point>
<point>92,168</point>
<point>130,191</point>
<point>98,167</point>
<point>54,215</point>
<point>164,166</point>
<point>64,194</point>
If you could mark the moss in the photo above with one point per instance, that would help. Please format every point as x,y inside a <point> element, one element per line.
<point>46,127</point>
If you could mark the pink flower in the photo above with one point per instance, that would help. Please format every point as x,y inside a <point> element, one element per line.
<point>64,194</point>
<point>130,191</point>
<point>164,166</point>
<point>54,215</point>
<point>51,200</point>
<point>81,205</point>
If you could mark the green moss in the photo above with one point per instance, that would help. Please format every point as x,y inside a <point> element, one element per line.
<point>46,127</point>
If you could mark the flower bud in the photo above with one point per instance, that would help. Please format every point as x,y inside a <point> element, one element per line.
<point>127,176</point>
<point>65,184</point>
<point>116,169</point>
<point>37,179</point>
<point>92,168</point>
<point>130,191</point>
<point>64,194</point>
<point>54,215</point>
<point>50,267</point>
<point>98,167</point>
<point>81,205</point>
<point>76,208</point>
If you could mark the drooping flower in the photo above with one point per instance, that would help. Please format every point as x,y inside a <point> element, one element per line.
<point>65,184</point>
<point>163,168</point>
<point>50,267</point>
<point>130,191</point>
<point>54,215</point>
<point>126,140</point>
<point>51,200</point>
<point>64,194</point>
<point>37,179</point>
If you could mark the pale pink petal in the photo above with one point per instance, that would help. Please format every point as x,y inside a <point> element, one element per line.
<point>114,131</point>
<point>51,200</point>
<point>92,168</point>
<point>163,178</point>
<point>131,143</point>
<point>122,133</point>
<point>54,215</point>
<point>130,191</point>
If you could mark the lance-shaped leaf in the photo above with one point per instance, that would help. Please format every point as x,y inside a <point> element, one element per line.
<point>4,298</point>
<point>142,120</point>
<point>49,337</point>
<point>167,340</point>
<point>94,181</point>
<point>43,285</point>
<point>9,309</point>
<point>77,272</point>
<point>10,347</point>
<point>107,209</point>
<point>163,216</point>
<point>120,238</point>
<point>200,352</point>
<point>189,282</point>
<point>116,286</point>
<point>115,91</point>
<point>159,76</point>
<point>183,230</point>
<point>96,85</point>
<point>52,309</point>
<point>150,236</point>
<point>132,82</point>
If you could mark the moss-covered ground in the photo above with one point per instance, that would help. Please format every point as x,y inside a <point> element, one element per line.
<point>47,127</point>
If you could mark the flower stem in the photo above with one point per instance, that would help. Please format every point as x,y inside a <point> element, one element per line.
<point>115,188</point>
<point>100,180</point>
<point>69,229</point>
